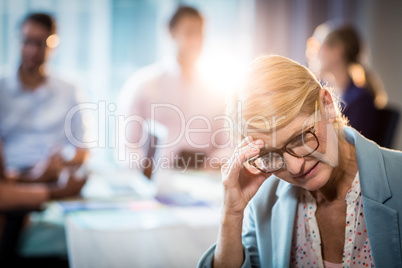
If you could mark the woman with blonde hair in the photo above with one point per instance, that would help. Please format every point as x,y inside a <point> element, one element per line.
<point>318,194</point>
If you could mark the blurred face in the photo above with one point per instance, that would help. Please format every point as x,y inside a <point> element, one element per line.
<point>311,172</point>
<point>33,48</point>
<point>188,36</point>
<point>331,55</point>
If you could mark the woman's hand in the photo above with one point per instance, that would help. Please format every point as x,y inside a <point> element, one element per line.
<point>241,183</point>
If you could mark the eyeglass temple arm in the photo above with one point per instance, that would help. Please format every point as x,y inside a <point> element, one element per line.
<point>315,115</point>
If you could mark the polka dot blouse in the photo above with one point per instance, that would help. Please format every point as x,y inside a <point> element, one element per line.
<point>306,242</point>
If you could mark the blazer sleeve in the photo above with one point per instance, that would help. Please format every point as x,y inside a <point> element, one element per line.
<point>250,249</point>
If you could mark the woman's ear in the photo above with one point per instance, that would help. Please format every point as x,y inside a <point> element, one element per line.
<point>329,106</point>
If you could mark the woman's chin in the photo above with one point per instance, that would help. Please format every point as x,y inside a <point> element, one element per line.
<point>313,186</point>
<point>319,179</point>
<point>313,181</point>
<point>316,183</point>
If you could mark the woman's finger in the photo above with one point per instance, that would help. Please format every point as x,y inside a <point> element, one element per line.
<point>251,150</point>
<point>246,141</point>
<point>243,155</point>
<point>243,143</point>
<point>224,167</point>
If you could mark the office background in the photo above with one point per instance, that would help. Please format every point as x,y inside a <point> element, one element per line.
<point>102,42</point>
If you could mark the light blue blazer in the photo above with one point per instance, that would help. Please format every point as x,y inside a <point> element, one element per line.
<point>269,225</point>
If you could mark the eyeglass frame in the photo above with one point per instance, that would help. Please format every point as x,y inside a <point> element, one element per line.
<point>311,130</point>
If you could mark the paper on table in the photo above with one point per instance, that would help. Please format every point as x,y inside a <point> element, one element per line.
<point>121,220</point>
<point>200,186</point>
<point>69,206</point>
<point>180,199</point>
<point>198,217</point>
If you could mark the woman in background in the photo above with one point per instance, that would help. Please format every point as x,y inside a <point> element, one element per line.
<point>361,91</point>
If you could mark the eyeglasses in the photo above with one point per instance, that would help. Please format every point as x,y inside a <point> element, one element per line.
<point>301,146</point>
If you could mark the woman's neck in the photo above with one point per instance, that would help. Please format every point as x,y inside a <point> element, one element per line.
<point>342,175</point>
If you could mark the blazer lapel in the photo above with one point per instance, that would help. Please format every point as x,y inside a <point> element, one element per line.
<point>283,217</point>
<point>381,220</point>
<point>383,231</point>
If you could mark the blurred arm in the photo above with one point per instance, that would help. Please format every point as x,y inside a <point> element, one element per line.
<point>2,168</point>
<point>15,196</point>
<point>80,157</point>
<point>134,108</point>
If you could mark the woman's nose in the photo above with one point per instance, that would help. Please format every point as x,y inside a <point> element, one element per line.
<point>293,164</point>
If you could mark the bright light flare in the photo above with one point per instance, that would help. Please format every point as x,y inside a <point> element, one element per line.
<point>358,74</point>
<point>53,41</point>
<point>222,69</point>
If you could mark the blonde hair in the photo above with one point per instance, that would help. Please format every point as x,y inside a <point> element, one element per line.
<point>275,87</point>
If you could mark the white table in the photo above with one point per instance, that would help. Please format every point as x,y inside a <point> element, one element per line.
<point>149,235</point>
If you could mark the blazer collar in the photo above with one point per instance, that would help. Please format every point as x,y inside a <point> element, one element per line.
<point>282,188</point>
<point>381,220</point>
<point>283,217</point>
<point>371,167</point>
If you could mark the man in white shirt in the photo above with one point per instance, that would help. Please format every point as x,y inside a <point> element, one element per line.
<point>174,94</point>
<point>35,135</point>
<point>33,111</point>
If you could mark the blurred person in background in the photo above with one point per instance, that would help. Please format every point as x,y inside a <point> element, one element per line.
<point>33,109</point>
<point>175,95</point>
<point>361,91</point>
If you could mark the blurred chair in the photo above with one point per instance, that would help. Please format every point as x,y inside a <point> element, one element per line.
<point>13,224</point>
<point>157,134</point>
<point>12,229</point>
<point>387,125</point>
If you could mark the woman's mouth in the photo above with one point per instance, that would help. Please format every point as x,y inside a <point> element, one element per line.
<point>309,173</point>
